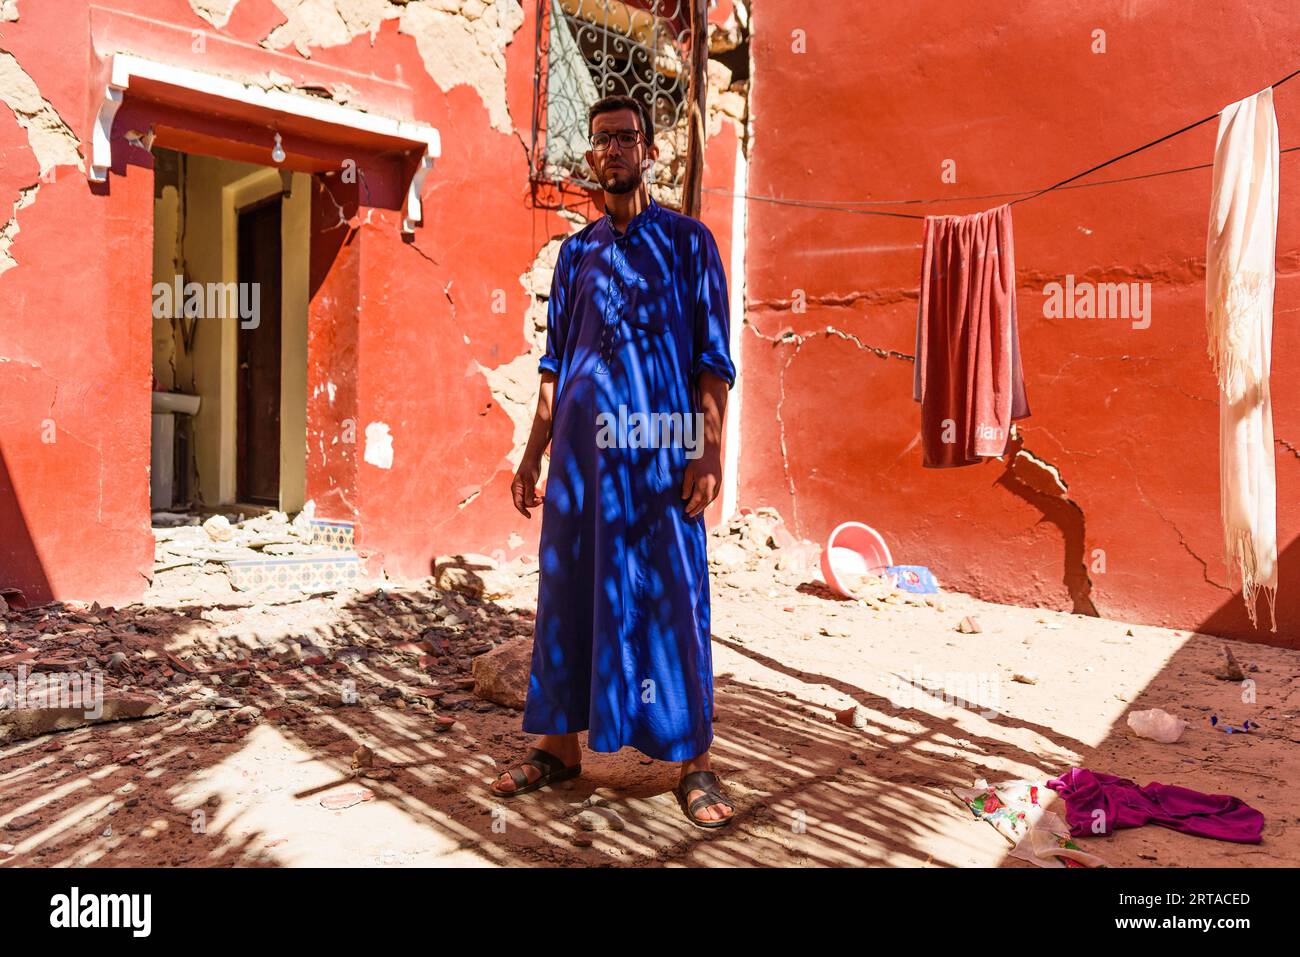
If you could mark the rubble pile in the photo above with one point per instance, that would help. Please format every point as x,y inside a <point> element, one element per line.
<point>754,537</point>
<point>407,648</point>
<point>187,540</point>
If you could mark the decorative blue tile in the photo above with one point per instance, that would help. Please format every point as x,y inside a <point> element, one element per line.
<point>313,573</point>
<point>338,536</point>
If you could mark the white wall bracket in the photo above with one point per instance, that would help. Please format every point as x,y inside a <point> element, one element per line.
<point>127,67</point>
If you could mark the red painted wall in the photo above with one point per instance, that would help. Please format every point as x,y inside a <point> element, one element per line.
<point>399,328</point>
<point>883,95</point>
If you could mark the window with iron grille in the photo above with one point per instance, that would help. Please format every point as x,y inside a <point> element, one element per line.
<point>589,49</point>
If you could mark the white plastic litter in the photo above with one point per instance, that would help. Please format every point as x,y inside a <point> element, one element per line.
<point>1157,725</point>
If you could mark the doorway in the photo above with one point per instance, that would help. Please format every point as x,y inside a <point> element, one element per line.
<point>259,356</point>
<point>221,228</point>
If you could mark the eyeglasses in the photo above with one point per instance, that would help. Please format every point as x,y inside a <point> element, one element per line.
<point>626,139</point>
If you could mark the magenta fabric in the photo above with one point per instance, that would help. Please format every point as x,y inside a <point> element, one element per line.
<point>1124,804</point>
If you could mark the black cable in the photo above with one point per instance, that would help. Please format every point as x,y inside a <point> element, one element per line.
<point>1023,196</point>
<point>1156,142</point>
<point>840,207</point>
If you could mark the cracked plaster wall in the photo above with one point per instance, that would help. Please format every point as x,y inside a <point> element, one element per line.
<point>1108,498</point>
<point>471,426</point>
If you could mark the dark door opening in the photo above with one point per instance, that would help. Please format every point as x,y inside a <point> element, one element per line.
<point>257,477</point>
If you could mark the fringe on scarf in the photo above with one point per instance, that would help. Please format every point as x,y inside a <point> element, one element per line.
<point>1241,555</point>
<point>1231,328</point>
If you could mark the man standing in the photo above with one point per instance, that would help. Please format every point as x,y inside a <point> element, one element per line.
<point>637,331</point>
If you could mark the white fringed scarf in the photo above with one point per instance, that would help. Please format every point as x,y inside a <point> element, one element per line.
<point>1239,279</point>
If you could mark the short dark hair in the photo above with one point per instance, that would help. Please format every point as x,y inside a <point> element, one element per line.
<point>611,103</point>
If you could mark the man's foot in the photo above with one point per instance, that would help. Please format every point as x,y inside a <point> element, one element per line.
<point>713,813</point>
<point>562,746</point>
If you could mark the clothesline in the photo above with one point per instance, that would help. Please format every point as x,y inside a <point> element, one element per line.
<point>838,207</point>
<point>1022,195</point>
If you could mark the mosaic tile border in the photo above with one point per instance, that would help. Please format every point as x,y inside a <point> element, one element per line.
<point>336,536</point>
<point>303,574</point>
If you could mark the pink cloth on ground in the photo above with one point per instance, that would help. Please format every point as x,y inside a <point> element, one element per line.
<point>1123,804</point>
<point>968,376</point>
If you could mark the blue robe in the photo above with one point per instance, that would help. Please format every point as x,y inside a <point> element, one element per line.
<point>622,643</point>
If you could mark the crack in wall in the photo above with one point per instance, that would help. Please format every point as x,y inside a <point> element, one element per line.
<point>874,297</point>
<point>790,336</point>
<point>1041,484</point>
<point>1182,539</point>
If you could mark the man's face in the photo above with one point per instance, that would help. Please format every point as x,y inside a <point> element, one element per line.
<point>619,168</point>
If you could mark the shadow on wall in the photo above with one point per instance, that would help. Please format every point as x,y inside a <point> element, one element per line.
<point>22,576</point>
<point>1231,620</point>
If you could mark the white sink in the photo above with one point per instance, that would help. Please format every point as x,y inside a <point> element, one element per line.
<point>175,402</point>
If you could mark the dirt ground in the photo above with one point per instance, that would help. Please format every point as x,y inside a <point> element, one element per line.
<point>251,761</point>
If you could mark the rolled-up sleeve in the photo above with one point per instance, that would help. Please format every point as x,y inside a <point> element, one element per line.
<point>712,314</point>
<point>557,313</point>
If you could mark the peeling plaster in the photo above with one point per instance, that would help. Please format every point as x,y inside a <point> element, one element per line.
<point>326,23</point>
<point>1040,483</point>
<point>462,42</point>
<point>515,384</point>
<point>9,230</point>
<point>379,445</point>
<point>50,138</point>
<point>216,12</point>
<point>8,11</point>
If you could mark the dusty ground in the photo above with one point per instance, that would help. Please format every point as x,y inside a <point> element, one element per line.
<point>252,763</point>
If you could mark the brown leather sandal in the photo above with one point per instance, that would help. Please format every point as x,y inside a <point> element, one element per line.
<point>707,782</point>
<point>552,769</point>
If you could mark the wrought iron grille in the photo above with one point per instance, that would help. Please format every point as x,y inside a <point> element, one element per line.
<point>588,49</point>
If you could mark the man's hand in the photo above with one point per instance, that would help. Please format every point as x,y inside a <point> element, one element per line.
<point>524,487</point>
<point>702,481</point>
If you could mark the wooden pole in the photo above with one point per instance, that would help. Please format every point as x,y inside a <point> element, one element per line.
<point>696,92</point>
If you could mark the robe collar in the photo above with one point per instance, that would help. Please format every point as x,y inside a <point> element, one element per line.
<point>646,215</point>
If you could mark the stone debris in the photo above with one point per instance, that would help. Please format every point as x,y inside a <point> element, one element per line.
<point>854,716</point>
<point>501,675</point>
<point>350,797</point>
<point>755,540</point>
<point>1231,671</point>
<point>210,669</point>
<point>180,539</point>
<point>599,819</point>
<point>969,626</point>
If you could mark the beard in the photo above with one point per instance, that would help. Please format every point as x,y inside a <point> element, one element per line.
<point>620,181</point>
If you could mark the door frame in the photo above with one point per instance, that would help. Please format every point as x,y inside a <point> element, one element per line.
<point>244,194</point>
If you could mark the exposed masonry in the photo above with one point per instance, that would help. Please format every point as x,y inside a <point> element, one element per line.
<point>8,11</point>
<point>515,384</point>
<point>462,42</point>
<point>216,12</point>
<point>1040,484</point>
<point>51,139</point>
<point>26,196</point>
